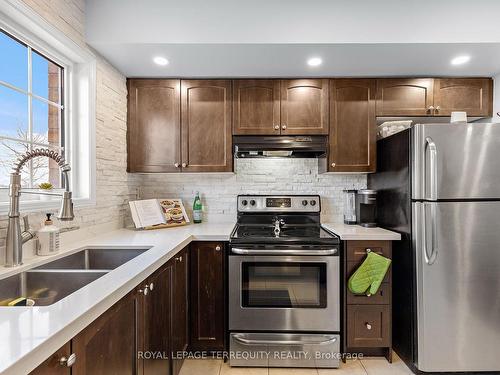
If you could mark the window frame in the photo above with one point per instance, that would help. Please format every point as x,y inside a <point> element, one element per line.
<point>79,79</point>
<point>31,96</point>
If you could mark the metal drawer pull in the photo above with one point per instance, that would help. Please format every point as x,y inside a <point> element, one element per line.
<point>151,286</point>
<point>283,342</point>
<point>144,291</point>
<point>69,361</point>
<point>217,248</point>
<point>179,259</point>
<point>368,326</point>
<point>235,250</point>
<point>368,251</point>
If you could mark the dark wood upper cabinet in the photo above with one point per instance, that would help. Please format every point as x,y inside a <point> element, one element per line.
<point>153,125</point>
<point>157,320</point>
<point>180,338</point>
<point>472,95</point>
<point>405,97</point>
<point>53,366</point>
<point>207,296</point>
<point>304,106</point>
<point>206,126</point>
<point>256,107</point>
<point>352,125</point>
<point>108,346</point>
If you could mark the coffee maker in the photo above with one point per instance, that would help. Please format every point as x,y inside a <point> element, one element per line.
<point>366,208</point>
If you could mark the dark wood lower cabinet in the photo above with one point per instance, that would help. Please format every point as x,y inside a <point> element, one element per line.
<point>367,319</point>
<point>53,366</point>
<point>208,296</point>
<point>108,345</point>
<point>180,294</point>
<point>157,315</point>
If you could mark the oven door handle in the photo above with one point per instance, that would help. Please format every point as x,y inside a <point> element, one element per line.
<point>239,251</point>
<point>245,341</point>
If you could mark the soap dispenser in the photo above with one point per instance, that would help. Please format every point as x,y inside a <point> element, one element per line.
<point>48,238</point>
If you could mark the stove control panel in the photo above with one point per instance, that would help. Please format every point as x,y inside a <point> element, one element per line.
<point>276,203</point>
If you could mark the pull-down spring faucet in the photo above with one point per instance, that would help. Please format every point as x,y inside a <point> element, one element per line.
<point>16,238</point>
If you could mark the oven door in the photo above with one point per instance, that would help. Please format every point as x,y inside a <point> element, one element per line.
<point>284,293</point>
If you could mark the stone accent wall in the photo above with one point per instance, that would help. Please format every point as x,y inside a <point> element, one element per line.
<point>114,186</point>
<point>254,176</point>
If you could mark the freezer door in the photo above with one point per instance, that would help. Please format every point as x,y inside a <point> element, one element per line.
<point>458,285</point>
<point>456,161</point>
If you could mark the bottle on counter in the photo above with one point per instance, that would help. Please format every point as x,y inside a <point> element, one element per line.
<point>48,238</point>
<point>197,209</point>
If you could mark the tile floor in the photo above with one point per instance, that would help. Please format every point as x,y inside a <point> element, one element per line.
<point>365,366</point>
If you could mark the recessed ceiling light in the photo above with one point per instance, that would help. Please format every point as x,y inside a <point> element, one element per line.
<point>314,61</point>
<point>158,60</point>
<point>459,60</point>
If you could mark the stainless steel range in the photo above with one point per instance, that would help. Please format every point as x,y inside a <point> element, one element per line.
<point>284,279</point>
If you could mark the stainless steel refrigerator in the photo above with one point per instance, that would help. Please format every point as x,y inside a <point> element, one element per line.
<point>439,186</point>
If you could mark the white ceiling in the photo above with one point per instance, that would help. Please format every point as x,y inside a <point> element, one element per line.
<point>274,38</point>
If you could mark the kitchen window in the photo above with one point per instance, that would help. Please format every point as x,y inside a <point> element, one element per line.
<point>47,100</point>
<point>31,112</point>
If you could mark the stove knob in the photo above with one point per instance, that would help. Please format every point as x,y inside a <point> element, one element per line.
<point>304,203</point>
<point>252,202</point>
<point>312,203</point>
<point>244,202</point>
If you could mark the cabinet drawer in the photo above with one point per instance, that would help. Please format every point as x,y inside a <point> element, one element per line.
<point>382,297</point>
<point>357,250</point>
<point>368,326</point>
<point>353,266</point>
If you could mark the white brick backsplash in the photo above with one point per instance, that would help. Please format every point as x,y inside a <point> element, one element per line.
<point>254,176</point>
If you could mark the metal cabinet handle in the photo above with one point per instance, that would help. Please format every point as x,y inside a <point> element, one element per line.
<point>276,127</point>
<point>431,109</point>
<point>151,286</point>
<point>368,326</point>
<point>184,165</point>
<point>333,165</point>
<point>144,291</point>
<point>176,165</point>
<point>68,361</point>
<point>179,259</point>
<point>217,248</point>
<point>283,126</point>
<point>437,109</point>
<point>368,250</point>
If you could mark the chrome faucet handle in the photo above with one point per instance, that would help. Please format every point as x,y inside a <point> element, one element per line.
<point>26,223</point>
<point>27,234</point>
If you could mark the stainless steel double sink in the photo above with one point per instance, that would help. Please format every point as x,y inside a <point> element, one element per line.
<point>55,280</point>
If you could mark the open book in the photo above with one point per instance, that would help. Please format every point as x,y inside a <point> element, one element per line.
<point>158,213</point>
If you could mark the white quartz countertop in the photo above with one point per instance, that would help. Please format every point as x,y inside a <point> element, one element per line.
<point>29,335</point>
<point>357,232</point>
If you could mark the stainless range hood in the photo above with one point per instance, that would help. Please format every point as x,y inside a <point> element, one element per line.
<point>299,146</point>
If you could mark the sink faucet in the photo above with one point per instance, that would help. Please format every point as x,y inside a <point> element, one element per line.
<point>16,238</point>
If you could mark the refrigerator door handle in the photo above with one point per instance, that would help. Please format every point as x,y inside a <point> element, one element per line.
<point>430,259</point>
<point>431,147</point>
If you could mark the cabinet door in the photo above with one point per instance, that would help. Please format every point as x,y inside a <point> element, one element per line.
<point>256,107</point>
<point>206,126</point>
<point>180,308</point>
<point>157,320</point>
<point>472,95</point>
<point>53,366</point>
<point>352,125</point>
<point>153,125</point>
<point>207,296</point>
<point>108,345</point>
<point>405,97</point>
<point>304,106</point>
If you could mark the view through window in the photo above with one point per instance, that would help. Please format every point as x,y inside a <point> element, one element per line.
<point>31,111</point>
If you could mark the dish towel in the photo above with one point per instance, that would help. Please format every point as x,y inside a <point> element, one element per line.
<point>369,275</point>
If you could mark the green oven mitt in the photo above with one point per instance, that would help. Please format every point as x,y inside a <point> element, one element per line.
<point>369,275</point>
